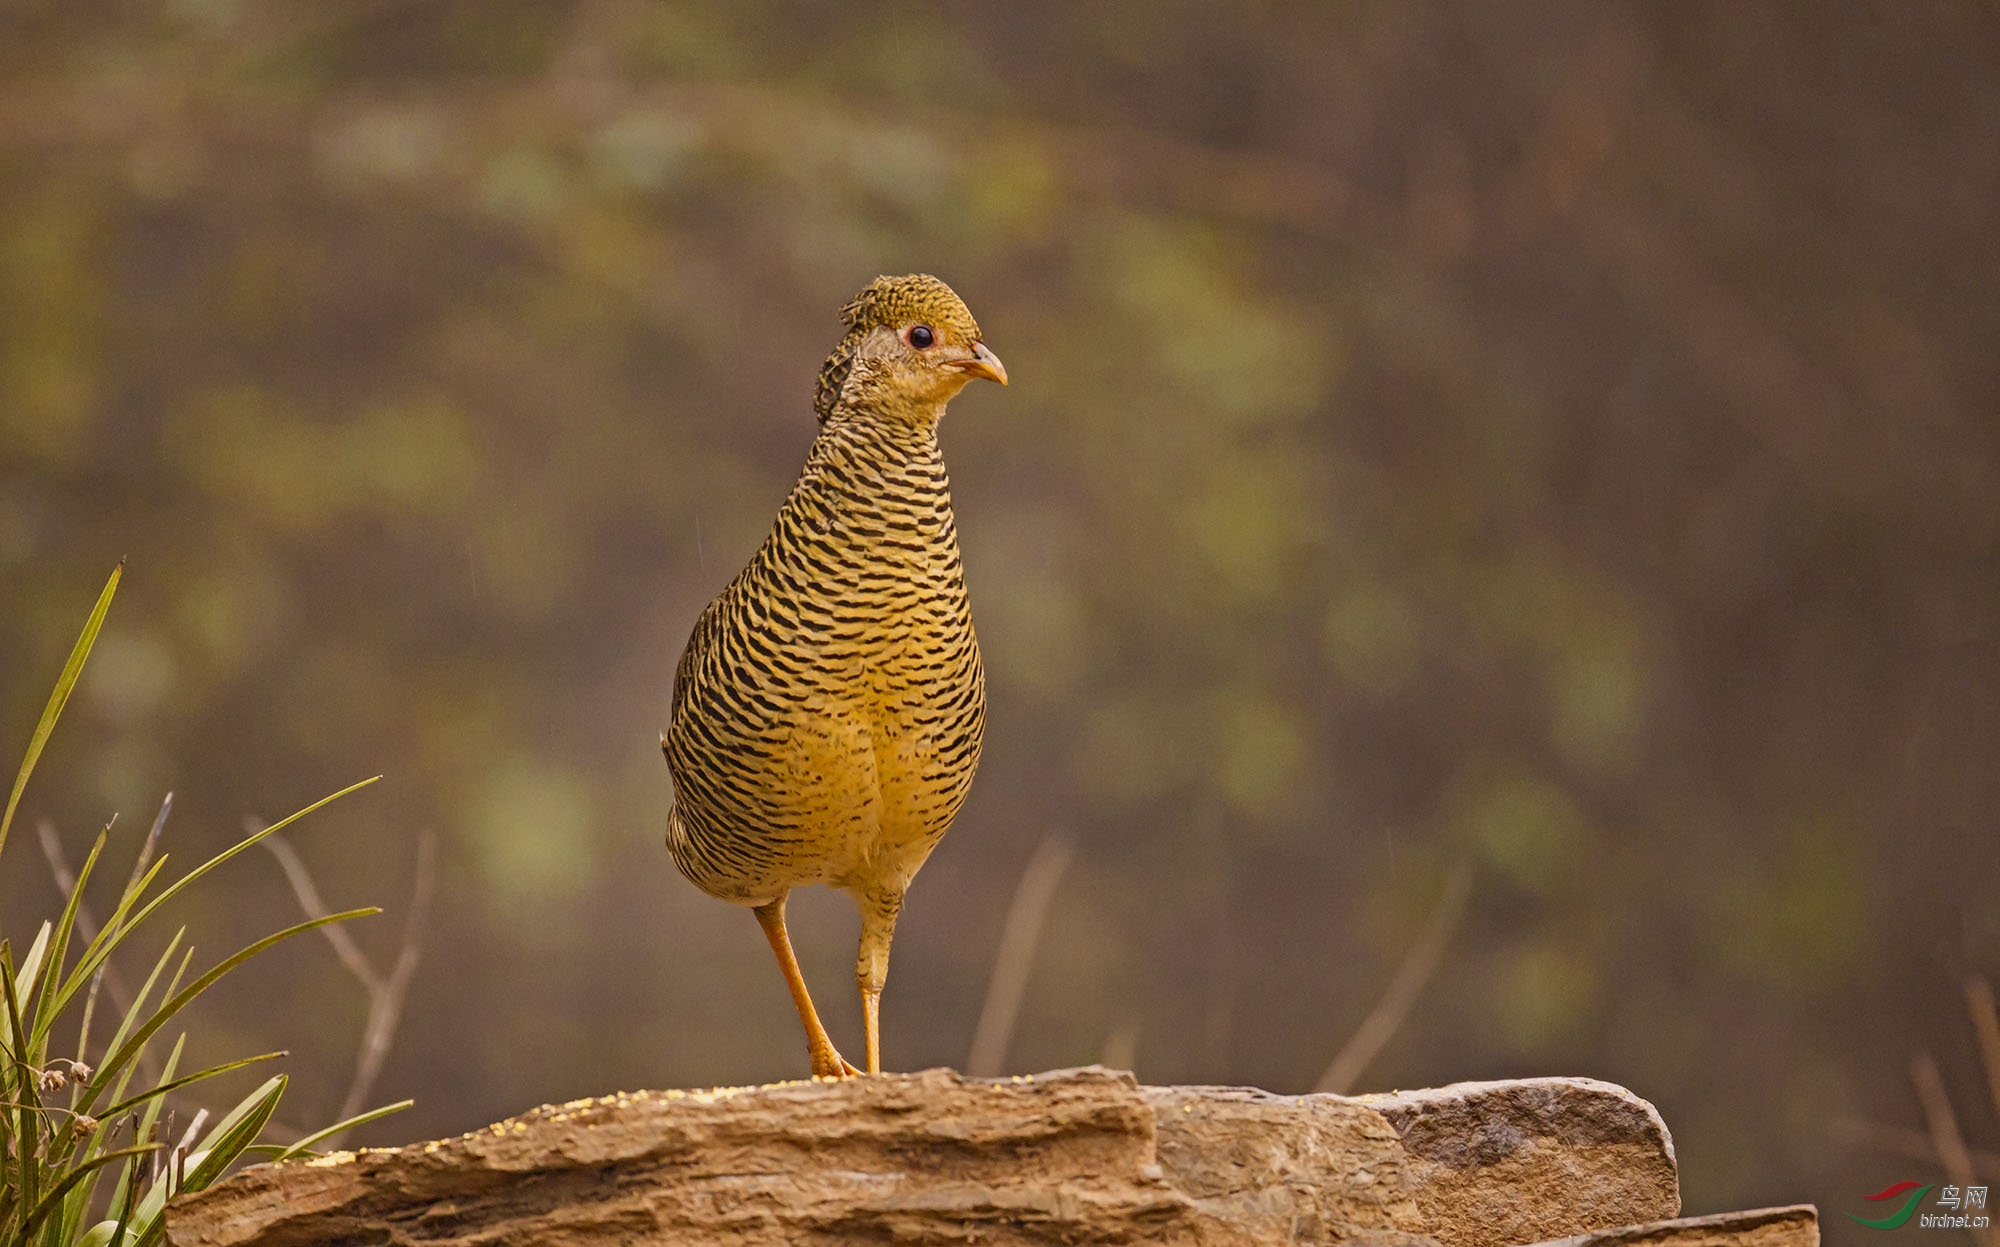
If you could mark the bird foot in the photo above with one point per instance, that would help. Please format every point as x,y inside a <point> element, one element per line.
<point>828,1063</point>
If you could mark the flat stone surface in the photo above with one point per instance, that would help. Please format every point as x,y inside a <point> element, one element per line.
<point>1074,1156</point>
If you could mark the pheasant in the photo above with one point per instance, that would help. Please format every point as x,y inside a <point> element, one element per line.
<point>828,710</point>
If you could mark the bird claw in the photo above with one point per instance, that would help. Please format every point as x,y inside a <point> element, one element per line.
<point>830,1064</point>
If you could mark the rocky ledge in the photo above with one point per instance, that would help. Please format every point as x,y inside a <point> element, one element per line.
<point>1072,1157</point>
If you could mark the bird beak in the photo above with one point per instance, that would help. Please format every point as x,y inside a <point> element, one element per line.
<point>983,363</point>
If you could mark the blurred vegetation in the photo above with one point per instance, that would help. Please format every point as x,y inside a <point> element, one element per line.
<point>70,1122</point>
<point>1557,437</point>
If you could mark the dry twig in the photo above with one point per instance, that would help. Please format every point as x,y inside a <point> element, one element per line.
<point>1916,1145</point>
<point>386,992</point>
<point>1986,1025</point>
<point>1405,986</point>
<point>1943,1123</point>
<point>1026,916</point>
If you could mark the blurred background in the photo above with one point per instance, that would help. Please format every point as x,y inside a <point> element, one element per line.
<point>1552,440</point>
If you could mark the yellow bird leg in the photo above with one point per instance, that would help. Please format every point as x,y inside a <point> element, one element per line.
<point>871,965</point>
<point>826,1061</point>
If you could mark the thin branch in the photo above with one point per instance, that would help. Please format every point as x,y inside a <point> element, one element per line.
<point>386,992</point>
<point>1405,986</point>
<point>1901,1141</point>
<point>1986,1025</point>
<point>152,843</point>
<point>315,906</point>
<point>385,1007</point>
<point>1027,914</point>
<point>1943,1124</point>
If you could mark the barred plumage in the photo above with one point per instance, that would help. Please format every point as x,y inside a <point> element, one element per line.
<point>828,710</point>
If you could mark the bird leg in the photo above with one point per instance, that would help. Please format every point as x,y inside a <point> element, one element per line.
<point>826,1062</point>
<point>871,966</point>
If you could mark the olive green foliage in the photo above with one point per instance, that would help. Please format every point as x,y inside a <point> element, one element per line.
<point>70,1123</point>
<point>1552,437</point>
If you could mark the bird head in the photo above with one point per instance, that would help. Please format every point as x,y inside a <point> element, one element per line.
<point>911,344</point>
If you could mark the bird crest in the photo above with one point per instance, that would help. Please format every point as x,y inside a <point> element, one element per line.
<point>917,298</point>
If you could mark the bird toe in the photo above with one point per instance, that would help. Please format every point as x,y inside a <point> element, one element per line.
<point>828,1063</point>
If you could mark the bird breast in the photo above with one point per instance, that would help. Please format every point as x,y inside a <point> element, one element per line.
<point>834,702</point>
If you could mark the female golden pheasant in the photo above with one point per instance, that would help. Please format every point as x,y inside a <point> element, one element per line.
<point>827,711</point>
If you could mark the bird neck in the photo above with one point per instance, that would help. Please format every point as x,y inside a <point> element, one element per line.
<point>893,463</point>
<point>894,423</point>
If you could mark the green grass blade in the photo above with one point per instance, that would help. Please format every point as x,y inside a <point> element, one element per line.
<point>146,848</point>
<point>103,1234</point>
<point>226,1141</point>
<point>271,1151</point>
<point>117,936</point>
<point>49,980</point>
<point>83,1027</point>
<point>129,1182</point>
<point>10,1197</point>
<point>243,844</point>
<point>236,1131</point>
<point>91,968</point>
<point>24,1093</point>
<point>51,1201</point>
<point>136,882</point>
<point>109,936</point>
<point>120,1233</point>
<point>64,684</point>
<point>180,999</point>
<point>168,1083</point>
<point>127,1106</point>
<point>124,1079</point>
<point>359,1119</point>
<point>18,981</point>
<point>126,1024</point>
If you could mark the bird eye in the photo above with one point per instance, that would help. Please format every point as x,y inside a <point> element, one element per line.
<point>921,336</point>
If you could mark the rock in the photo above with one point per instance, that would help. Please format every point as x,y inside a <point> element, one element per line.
<point>1516,1162</point>
<point>1307,1168</point>
<point>1794,1226</point>
<point>1076,1156</point>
